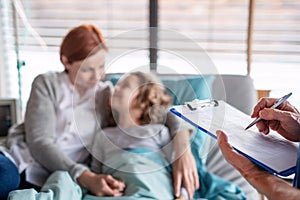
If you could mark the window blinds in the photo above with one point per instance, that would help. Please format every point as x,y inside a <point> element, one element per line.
<point>41,25</point>
<point>220,27</point>
<point>277,31</point>
<point>52,19</point>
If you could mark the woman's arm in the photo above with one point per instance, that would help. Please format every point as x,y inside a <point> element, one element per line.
<point>184,167</point>
<point>40,127</point>
<point>103,107</point>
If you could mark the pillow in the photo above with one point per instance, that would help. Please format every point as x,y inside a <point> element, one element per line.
<point>187,88</point>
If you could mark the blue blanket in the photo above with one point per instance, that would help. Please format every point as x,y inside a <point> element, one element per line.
<point>146,174</point>
<point>59,186</point>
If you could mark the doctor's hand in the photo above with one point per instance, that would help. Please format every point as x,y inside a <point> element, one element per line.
<point>271,186</point>
<point>285,119</point>
<point>238,161</point>
<point>100,184</point>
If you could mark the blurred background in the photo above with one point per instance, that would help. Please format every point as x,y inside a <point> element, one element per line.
<point>256,38</point>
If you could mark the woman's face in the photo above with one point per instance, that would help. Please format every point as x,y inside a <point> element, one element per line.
<point>124,94</point>
<point>85,74</point>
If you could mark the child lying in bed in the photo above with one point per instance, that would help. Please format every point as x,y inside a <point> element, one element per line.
<point>138,150</point>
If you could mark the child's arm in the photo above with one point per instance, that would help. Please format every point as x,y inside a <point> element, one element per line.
<point>97,183</point>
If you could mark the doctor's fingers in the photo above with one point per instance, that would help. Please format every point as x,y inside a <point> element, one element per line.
<point>262,103</point>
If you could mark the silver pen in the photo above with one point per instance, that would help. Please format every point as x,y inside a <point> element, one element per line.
<point>278,103</point>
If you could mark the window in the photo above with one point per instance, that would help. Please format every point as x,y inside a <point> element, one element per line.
<point>218,27</point>
<point>187,29</point>
<point>42,24</point>
<point>276,47</point>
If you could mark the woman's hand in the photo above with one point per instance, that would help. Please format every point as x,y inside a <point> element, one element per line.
<point>101,185</point>
<point>184,168</point>
<point>185,174</point>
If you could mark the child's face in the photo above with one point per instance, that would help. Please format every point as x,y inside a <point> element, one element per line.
<point>125,93</point>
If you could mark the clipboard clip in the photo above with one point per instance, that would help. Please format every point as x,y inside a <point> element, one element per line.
<point>198,104</point>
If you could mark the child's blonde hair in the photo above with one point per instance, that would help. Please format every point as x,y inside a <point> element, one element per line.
<point>152,98</point>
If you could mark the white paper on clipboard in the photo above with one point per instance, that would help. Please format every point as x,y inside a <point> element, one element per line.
<point>272,151</point>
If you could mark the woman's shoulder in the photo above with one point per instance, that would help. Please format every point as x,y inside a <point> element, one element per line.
<point>48,84</point>
<point>48,77</point>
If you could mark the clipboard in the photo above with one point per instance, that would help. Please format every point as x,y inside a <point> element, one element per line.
<point>272,152</point>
